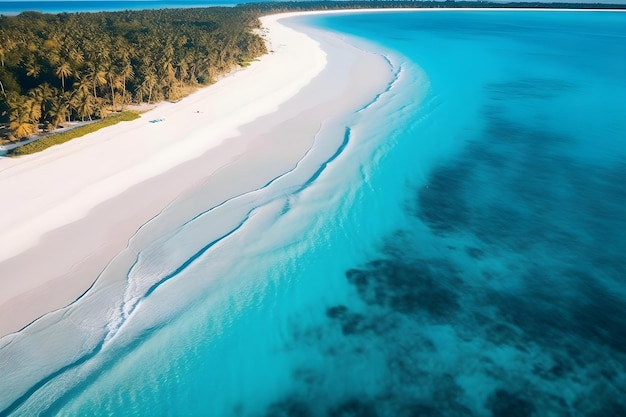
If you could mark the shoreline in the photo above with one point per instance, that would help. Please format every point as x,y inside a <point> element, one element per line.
<point>75,234</point>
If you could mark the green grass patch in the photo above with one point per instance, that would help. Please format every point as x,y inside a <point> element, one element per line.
<point>62,137</point>
<point>243,63</point>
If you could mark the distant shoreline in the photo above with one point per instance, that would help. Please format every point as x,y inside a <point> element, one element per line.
<point>13,8</point>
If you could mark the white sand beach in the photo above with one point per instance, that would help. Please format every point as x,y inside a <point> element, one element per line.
<point>67,211</point>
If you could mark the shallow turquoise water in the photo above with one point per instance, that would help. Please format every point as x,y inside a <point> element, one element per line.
<point>462,255</point>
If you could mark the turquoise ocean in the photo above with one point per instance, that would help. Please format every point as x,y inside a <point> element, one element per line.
<point>458,252</point>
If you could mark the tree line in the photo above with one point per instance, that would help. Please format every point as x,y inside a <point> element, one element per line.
<point>82,66</point>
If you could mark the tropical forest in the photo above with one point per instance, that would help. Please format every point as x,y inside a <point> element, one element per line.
<point>56,68</point>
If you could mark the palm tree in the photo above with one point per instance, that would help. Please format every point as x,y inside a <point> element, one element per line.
<point>168,70</point>
<point>100,107</point>
<point>83,103</point>
<point>183,70</point>
<point>149,82</point>
<point>62,72</point>
<point>193,69</point>
<point>76,56</point>
<point>19,125</point>
<point>114,81</point>
<point>125,72</point>
<point>82,100</point>
<point>20,118</point>
<point>32,69</point>
<point>97,78</point>
<point>34,111</point>
<point>6,45</point>
<point>82,84</point>
<point>122,55</point>
<point>207,66</point>
<point>59,110</point>
<point>42,95</point>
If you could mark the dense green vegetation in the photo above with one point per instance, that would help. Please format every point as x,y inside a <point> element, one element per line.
<point>82,66</point>
<point>61,137</point>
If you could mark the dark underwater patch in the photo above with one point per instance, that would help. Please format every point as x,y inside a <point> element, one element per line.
<point>506,404</point>
<point>612,409</point>
<point>290,407</point>
<point>475,253</point>
<point>354,408</point>
<point>528,88</point>
<point>351,323</point>
<point>407,288</point>
<point>560,311</point>
<point>600,316</point>
<point>442,200</point>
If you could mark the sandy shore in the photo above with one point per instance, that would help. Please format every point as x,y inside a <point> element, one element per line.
<point>69,210</point>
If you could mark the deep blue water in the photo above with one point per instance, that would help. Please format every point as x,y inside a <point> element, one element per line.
<point>461,256</point>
